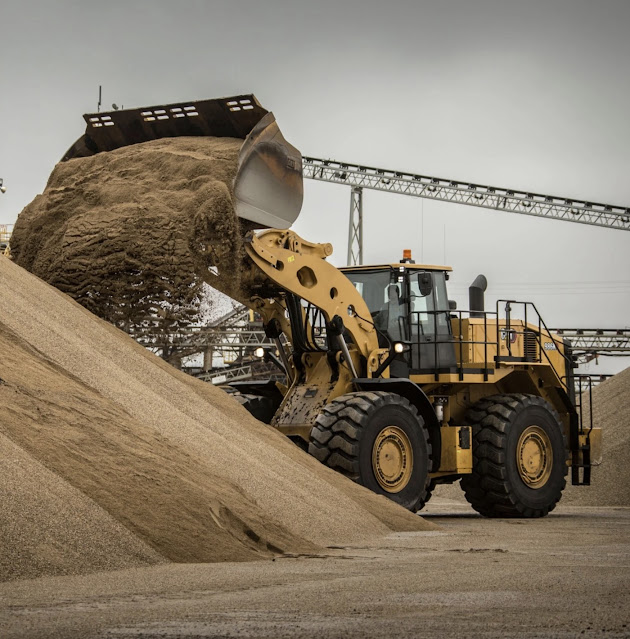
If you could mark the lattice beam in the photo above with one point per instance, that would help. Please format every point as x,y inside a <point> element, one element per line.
<point>489,197</point>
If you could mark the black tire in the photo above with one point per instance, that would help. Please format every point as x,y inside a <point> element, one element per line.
<point>431,484</point>
<point>500,485</point>
<point>351,434</point>
<point>262,408</point>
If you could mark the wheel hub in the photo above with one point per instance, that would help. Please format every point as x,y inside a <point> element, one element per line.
<point>534,457</point>
<point>392,459</point>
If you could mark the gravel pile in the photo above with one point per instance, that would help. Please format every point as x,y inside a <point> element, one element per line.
<point>610,482</point>
<point>48,527</point>
<point>152,464</point>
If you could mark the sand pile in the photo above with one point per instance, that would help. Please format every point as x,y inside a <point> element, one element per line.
<point>133,232</point>
<point>49,527</point>
<point>136,447</point>
<point>610,482</point>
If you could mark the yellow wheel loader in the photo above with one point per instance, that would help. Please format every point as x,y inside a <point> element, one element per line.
<point>386,381</point>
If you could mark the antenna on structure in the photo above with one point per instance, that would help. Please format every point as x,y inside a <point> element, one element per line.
<point>98,106</point>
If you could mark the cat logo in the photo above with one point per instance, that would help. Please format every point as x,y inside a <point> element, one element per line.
<point>512,335</point>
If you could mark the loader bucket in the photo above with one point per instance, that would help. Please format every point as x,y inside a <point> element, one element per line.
<point>268,187</point>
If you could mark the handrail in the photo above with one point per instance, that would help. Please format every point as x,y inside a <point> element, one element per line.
<point>450,338</point>
<point>508,328</point>
<point>541,326</point>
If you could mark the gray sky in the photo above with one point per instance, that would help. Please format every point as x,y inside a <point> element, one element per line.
<point>531,95</point>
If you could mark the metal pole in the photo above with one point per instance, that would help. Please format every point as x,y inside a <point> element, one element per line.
<point>355,227</point>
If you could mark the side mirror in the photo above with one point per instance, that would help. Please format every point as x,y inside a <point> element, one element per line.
<point>425,283</point>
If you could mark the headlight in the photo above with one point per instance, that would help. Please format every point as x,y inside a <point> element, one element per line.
<point>399,347</point>
<point>260,352</point>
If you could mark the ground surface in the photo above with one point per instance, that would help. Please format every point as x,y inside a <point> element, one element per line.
<point>566,575</point>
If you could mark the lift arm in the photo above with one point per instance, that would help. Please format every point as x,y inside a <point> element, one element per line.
<point>300,267</point>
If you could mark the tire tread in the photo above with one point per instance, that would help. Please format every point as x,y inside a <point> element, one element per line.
<point>336,436</point>
<point>488,488</point>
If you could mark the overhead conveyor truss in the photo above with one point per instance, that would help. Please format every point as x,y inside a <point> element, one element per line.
<point>359,177</point>
<point>589,343</point>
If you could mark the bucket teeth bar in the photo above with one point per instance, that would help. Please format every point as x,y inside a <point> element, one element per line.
<point>231,117</point>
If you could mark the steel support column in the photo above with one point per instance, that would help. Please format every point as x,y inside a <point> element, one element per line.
<point>355,227</point>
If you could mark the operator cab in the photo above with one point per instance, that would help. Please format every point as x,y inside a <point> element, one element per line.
<point>408,303</point>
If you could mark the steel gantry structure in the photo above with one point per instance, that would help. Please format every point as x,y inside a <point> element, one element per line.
<point>589,343</point>
<point>232,337</point>
<point>359,177</point>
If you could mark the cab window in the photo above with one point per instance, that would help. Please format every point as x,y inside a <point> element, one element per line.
<point>384,297</point>
<point>430,313</point>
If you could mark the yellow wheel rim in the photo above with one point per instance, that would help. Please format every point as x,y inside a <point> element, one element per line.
<point>392,459</point>
<point>534,457</point>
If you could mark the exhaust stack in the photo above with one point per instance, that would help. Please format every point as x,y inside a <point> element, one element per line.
<point>475,296</point>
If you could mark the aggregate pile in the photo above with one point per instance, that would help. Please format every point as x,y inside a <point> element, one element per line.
<point>610,482</point>
<point>110,457</point>
<point>136,231</point>
<point>49,527</point>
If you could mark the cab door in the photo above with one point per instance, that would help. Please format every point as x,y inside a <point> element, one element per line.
<point>432,347</point>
